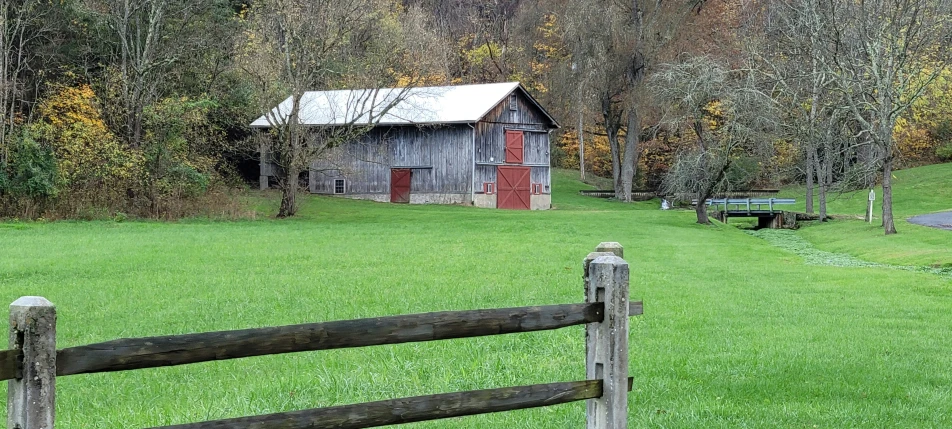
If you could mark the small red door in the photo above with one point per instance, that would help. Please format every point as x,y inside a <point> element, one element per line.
<point>400,185</point>
<point>514,147</point>
<point>512,186</point>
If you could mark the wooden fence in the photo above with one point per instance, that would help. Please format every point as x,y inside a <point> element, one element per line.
<point>33,363</point>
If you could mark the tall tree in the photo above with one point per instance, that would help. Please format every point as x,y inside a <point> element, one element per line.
<point>729,116</point>
<point>788,40</point>
<point>884,54</point>
<point>28,29</point>
<point>614,44</point>
<point>295,46</point>
<point>149,40</point>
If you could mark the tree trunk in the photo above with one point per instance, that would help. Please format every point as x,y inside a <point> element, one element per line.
<point>809,170</point>
<point>823,168</point>
<point>701,209</point>
<point>289,186</point>
<point>616,167</point>
<point>888,224</point>
<point>616,159</point>
<point>630,164</point>
<point>612,126</point>
<point>581,147</point>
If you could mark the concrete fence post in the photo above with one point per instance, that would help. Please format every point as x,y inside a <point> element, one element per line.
<point>31,396</point>
<point>606,343</point>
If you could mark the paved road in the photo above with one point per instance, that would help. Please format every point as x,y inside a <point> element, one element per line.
<point>941,220</point>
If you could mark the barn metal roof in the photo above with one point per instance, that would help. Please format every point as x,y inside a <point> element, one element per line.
<point>414,106</point>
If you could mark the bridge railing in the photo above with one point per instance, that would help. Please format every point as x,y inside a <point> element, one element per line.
<point>748,204</point>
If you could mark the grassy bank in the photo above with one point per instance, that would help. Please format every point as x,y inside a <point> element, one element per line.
<point>916,191</point>
<point>736,332</point>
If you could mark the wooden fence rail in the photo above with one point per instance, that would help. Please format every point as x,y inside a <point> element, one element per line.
<point>138,353</point>
<point>33,363</point>
<point>415,409</point>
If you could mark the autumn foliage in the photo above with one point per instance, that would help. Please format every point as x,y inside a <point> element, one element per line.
<point>89,156</point>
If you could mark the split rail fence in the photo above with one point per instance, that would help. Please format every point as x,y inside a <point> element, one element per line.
<point>33,363</point>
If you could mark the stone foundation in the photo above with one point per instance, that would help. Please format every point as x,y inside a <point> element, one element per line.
<point>486,201</point>
<point>438,198</point>
<point>540,202</point>
<point>536,202</point>
<point>414,198</point>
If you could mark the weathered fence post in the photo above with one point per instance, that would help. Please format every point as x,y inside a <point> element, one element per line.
<point>606,343</point>
<point>30,397</point>
<point>612,247</point>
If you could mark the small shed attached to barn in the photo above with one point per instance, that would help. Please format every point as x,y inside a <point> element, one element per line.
<point>485,145</point>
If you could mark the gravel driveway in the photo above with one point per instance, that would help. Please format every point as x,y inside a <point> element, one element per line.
<point>941,220</point>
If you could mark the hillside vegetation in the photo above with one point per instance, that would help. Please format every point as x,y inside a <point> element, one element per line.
<point>141,108</point>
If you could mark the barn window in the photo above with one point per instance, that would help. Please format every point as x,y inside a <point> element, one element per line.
<point>339,186</point>
<point>537,189</point>
<point>489,188</point>
<point>513,103</point>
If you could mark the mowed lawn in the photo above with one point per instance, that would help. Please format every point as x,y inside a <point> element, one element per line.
<point>915,191</point>
<point>736,333</point>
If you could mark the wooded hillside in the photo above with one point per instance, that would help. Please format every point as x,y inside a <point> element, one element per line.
<point>141,107</point>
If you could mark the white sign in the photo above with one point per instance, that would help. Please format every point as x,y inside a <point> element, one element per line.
<point>872,195</point>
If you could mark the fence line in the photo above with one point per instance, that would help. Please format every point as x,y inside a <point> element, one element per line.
<point>32,363</point>
<point>415,409</point>
<point>139,353</point>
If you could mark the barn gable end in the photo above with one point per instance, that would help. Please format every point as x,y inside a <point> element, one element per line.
<point>517,112</point>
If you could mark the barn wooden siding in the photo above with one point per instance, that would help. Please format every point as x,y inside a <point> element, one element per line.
<point>440,157</point>
<point>491,141</point>
<point>448,162</point>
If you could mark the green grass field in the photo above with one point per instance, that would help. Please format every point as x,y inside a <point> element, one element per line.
<point>916,191</point>
<point>736,332</point>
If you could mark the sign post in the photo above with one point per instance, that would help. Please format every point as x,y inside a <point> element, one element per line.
<point>869,206</point>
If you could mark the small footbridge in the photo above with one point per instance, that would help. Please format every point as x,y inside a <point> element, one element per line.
<point>768,211</point>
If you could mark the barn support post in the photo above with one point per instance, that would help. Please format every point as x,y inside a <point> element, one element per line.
<point>31,396</point>
<point>264,167</point>
<point>606,343</point>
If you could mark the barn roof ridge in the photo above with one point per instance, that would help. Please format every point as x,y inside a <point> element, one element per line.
<point>428,105</point>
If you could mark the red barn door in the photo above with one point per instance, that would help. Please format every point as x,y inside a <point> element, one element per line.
<point>513,188</point>
<point>514,147</point>
<point>400,185</point>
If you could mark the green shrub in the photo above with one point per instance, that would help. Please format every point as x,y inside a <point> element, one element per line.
<point>944,152</point>
<point>942,133</point>
<point>30,172</point>
<point>742,172</point>
<point>185,180</point>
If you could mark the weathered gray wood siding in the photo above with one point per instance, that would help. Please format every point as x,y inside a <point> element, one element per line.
<point>536,145</point>
<point>266,164</point>
<point>440,157</point>
<point>491,140</point>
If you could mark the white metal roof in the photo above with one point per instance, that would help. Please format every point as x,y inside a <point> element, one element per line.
<point>415,106</point>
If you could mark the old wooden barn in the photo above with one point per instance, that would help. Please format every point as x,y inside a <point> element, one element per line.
<point>485,145</point>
